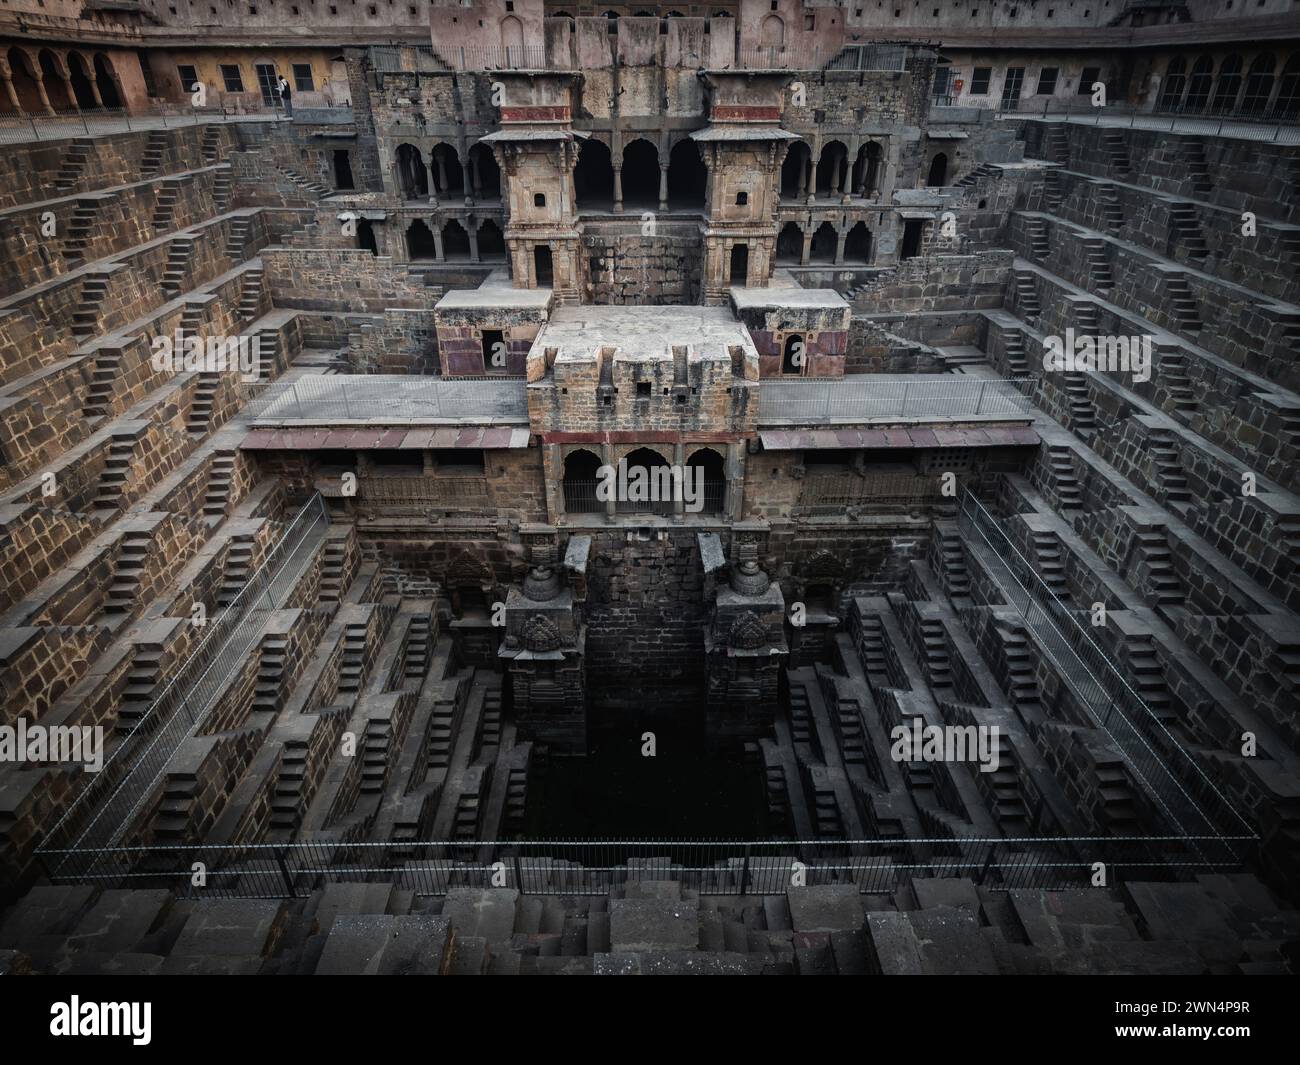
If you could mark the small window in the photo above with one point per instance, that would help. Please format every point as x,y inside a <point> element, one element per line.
<point>189,76</point>
<point>231,77</point>
<point>742,198</point>
<point>539,199</point>
<point>302,80</point>
<point>979,82</point>
<point>458,460</point>
<point>1086,79</point>
<point>1047,81</point>
<point>642,389</point>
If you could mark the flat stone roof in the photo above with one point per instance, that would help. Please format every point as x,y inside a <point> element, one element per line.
<point>476,299</point>
<point>579,332</point>
<point>787,296</point>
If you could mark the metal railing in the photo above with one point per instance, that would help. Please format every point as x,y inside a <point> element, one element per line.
<point>596,867</point>
<point>24,128</point>
<point>1276,128</point>
<point>864,397</point>
<point>1171,778</point>
<point>106,807</point>
<point>581,497</point>
<point>326,398</point>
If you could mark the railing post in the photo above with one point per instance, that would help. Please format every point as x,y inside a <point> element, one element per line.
<point>284,872</point>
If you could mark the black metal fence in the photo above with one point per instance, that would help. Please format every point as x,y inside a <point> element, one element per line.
<point>596,867</point>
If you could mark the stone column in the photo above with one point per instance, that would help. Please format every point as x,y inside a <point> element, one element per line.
<point>433,186</point>
<point>839,245</point>
<point>472,229</point>
<point>812,181</point>
<point>806,254</point>
<point>611,504</point>
<point>10,91</point>
<point>663,188</point>
<point>803,177</point>
<point>468,179</point>
<point>618,190</point>
<point>94,90</point>
<point>478,181</point>
<point>442,171</point>
<point>734,503</point>
<point>437,243</point>
<point>40,88</point>
<point>679,501</point>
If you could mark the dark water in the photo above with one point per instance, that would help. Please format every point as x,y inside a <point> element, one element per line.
<point>688,790</point>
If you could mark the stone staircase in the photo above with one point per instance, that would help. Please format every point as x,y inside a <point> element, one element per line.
<point>151,158</point>
<point>1198,169</point>
<point>250,295</point>
<point>1172,367</point>
<point>1152,554</point>
<point>80,227</point>
<point>236,571</point>
<point>216,497</point>
<point>1038,242</point>
<point>1098,262</point>
<point>1116,148</point>
<point>123,594</point>
<point>1167,467</point>
<point>103,377</point>
<point>142,685</point>
<point>1185,220</point>
<point>1066,484</point>
<point>74,163</point>
<point>1183,307</point>
<point>1026,294</point>
<point>202,408</point>
<point>164,211</point>
<point>1049,562</point>
<point>117,471</point>
<point>85,319</point>
<point>179,253</point>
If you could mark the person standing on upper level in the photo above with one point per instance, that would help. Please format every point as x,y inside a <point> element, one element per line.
<point>286,95</point>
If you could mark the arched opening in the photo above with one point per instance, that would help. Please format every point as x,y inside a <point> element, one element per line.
<point>1228,85</point>
<point>107,81</point>
<point>793,354</point>
<point>1171,91</point>
<point>938,171</point>
<point>343,169</point>
<point>593,176</point>
<point>455,240</point>
<point>512,41</point>
<point>419,242</point>
<point>55,88</point>
<point>1259,84</point>
<point>1288,90</point>
<point>650,469</point>
<point>739,272</point>
<point>641,174</point>
<point>789,244</point>
<point>543,267</point>
<point>449,178</point>
<point>491,242</point>
<point>832,169</point>
<point>487,174</point>
<point>411,174</point>
<point>24,82</point>
<point>866,170</point>
<point>366,237</point>
<point>1198,85</point>
<point>823,244</point>
<point>81,88</point>
<point>772,32</point>
<point>857,245</point>
<point>794,171</point>
<point>687,175</point>
<point>581,470</point>
<point>708,477</point>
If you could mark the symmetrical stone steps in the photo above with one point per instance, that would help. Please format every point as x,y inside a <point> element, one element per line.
<point>80,228</point>
<point>164,214</point>
<point>1186,222</point>
<point>1064,480</point>
<point>1152,554</point>
<point>117,471</point>
<point>121,597</point>
<point>203,405</point>
<point>176,273</point>
<point>238,568</point>
<point>74,163</point>
<point>85,319</point>
<point>152,157</point>
<point>216,497</point>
